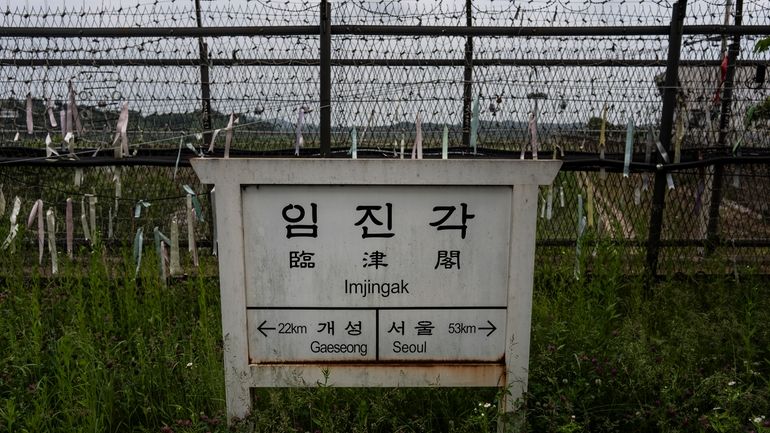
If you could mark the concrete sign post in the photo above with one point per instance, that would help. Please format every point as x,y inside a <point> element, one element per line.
<point>375,272</point>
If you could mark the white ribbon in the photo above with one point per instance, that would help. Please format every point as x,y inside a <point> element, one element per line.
<point>629,147</point>
<point>417,149</point>
<point>92,199</point>
<point>37,211</point>
<point>78,177</point>
<point>179,155</point>
<point>445,143</point>
<point>138,241</point>
<point>69,138</point>
<point>30,126</point>
<point>40,232</point>
<point>190,223</point>
<point>14,225</point>
<point>299,141</point>
<point>214,234</point>
<point>49,110</point>
<point>191,247</point>
<point>51,220</point>
<point>213,139</point>
<point>16,137</point>
<point>549,203</point>
<point>174,266</point>
<point>533,134</point>
<point>49,151</point>
<point>229,133</point>
<point>353,144</point>
<point>122,132</point>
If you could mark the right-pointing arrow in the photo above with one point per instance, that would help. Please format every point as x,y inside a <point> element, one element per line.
<point>491,328</point>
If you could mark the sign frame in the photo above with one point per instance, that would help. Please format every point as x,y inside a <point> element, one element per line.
<point>229,176</point>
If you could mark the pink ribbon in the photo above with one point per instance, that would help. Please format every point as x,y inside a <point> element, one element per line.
<point>72,106</point>
<point>70,227</point>
<point>49,109</point>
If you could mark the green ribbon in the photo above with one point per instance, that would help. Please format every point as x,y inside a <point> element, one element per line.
<point>138,208</point>
<point>581,226</point>
<point>196,203</point>
<point>160,237</point>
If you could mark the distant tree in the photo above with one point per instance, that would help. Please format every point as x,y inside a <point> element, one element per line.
<point>595,124</point>
<point>762,45</point>
<point>761,110</point>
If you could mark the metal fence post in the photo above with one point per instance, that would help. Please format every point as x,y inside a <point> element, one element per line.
<point>325,76</point>
<point>204,67</point>
<point>712,229</point>
<point>468,76</point>
<point>670,90</point>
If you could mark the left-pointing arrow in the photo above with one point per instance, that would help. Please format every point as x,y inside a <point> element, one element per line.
<point>262,328</point>
<point>491,328</point>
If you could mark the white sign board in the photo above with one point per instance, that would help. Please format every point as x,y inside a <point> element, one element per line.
<point>382,272</point>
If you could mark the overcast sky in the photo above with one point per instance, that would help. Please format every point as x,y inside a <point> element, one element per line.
<point>394,94</point>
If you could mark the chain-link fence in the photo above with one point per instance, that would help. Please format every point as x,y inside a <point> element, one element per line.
<point>576,80</point>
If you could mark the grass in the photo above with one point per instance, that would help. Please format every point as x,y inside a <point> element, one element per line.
<point>95,349</point>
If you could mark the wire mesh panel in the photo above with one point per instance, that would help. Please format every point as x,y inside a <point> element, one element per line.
<point>578,80</point>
